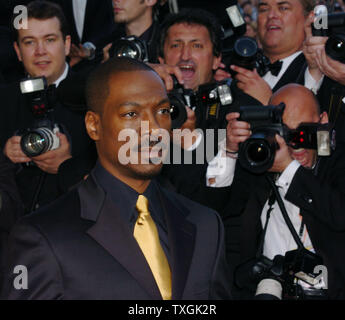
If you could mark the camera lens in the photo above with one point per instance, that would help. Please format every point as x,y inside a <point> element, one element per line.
<point>131,47</point>
<point>257,152</point>
<point>245,47</point>
<point>178,111</point>
<point>127,51</point>
<point>36,142</point>
<point>335,47</point>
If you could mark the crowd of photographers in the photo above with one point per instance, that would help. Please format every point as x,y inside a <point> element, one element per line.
<point>263,76</point>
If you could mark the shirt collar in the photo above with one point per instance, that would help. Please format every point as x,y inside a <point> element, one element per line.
<point>63,76</point>
<point>125,197</point>
<point>287,61</point>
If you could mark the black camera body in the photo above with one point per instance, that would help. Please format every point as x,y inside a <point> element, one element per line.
<point>205,102</point>
<point>295,264</point>
<point>334,29</point>
<point>257,153</point>
<point>42,136</point>
<point>246,54</point>
<point>131,47</point>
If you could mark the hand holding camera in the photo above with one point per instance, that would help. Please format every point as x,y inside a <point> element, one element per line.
<point>44,143</point>
<point>324,48</point>
<point>51,160</point>
<point>251,83</point>
<point>265,146</point>
<point>236,132</point>
<point>14,152</point>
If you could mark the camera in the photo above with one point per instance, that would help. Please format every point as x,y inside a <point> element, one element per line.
<point>332,26</point>
<point>131,47</point>
<point>205,102</point>
<point>320,137</point>
<point>257,153</point>
<point>298,264</point>
<point>246,54</point>
<point>42,136</point>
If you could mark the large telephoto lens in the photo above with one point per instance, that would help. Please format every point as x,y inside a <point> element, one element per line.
<point>36,142</point>
<point>257,153</point>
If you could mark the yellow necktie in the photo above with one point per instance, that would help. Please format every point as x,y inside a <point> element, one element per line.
<point>146,234</point>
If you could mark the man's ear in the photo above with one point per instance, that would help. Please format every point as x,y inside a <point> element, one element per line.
<point>16,48</point>
<point>93,125</point>
<point>67,45</point>
<point>324,118</point>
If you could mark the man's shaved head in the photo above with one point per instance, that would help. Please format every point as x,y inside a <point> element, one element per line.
<point>301,104</point>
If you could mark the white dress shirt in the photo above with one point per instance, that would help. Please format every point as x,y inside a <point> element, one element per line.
<point>278,238</point>
<point>63,75</point>
<point>309,81</point>
<point>79,8</point>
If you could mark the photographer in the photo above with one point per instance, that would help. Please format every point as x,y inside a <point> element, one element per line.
<point>191,43</point>
<point>311,187</point>
<point>91,25</point>
<point>42,48</point>
<point>281,35</point>
<point>331,71</point>
<point>135,18</point>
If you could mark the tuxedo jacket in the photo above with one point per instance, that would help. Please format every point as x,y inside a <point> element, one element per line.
<point>98,24</point>
<point>81,248</point>
<point>320,195</point>
<point>292,73</point>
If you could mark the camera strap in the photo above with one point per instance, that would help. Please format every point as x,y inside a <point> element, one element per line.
<point>335,103</point>
<point>281,205</point>
<point>271,201</point>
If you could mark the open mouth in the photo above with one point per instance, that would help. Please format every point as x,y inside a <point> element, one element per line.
<point>42,65</point>
<point>187,70</point>
<point>300,155</point>
<point>272,27</point>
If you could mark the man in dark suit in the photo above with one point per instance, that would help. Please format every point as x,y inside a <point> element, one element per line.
<point>88,241</point>
<point>11,208</point>
<point>42,48</point>
<point>136,18</point>
<point>91,25</point>
<point>281,35</point>
<point>312,190</point>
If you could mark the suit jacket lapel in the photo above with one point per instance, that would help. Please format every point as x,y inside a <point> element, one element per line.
<point>292,72</point>
<point>114,234</point>
<point>181,235</point>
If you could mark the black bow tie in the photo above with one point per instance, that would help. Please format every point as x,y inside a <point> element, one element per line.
<point>275,67</point>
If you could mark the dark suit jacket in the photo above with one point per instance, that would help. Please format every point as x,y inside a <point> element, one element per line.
<point>11,208</point>
<point>98,27</point>
<point>321,198</point>
<point>98,23</point>
<point>292,73</point>
<point>80,248</point>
